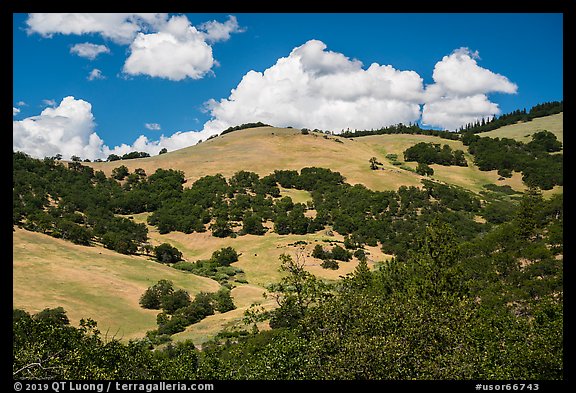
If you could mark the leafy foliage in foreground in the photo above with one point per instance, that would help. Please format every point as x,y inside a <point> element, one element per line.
<point>424,318</point>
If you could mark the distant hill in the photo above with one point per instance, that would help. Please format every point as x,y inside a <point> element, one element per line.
<point>522,131</point>
<point>265,149</point>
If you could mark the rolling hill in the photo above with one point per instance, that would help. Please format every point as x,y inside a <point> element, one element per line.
<point>523,130</point>
<point>93,282</point>
<point>265,149</point>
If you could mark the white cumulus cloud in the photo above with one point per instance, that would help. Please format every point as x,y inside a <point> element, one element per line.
<point>175,52</point>
<point>159,46</point>
<point>312,87</point>
<point>459,92</point>
<point>460,74</point>
<point>215,31</point>
<point>15,111</point>
<point>67,129</point>
<point>118,27</point>
<point>317,88</point>
<point>454,112</point>
<point>88,50</point>
<point>95,74</point>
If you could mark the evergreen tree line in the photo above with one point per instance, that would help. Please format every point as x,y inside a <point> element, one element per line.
<point>401,128</point>
<point>539,110</point>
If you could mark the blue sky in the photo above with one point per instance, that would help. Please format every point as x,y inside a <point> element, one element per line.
<point>329,71</point>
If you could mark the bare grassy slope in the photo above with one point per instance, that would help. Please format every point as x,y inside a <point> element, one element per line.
<point>91,282</point>
<point>265,149</point>
<point>524,131</point>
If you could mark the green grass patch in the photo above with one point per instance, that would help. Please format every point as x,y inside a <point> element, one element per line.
<point>297,196</point>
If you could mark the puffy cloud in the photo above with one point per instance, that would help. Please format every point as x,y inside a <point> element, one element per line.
<point>459,93</point>
<point>311,87</point>
<point>176,52</point>
<point>215,31</point>
<point>118,27</point>
<point>153,126</point>
<point>89,50</point>
<point>95,74</point>
<point>316,60</point>
<point>67,129</point>
<point>160,46</point>
<point>454,112</point>
<point>460,74</point>
<point>317,88</point>
<point>178,140</point>
<point>15,111</point>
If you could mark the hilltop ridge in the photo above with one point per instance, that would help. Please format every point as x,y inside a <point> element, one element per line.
<point>265,149</point>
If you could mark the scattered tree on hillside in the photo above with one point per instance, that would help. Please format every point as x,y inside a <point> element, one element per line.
<point>424,169</point>
<point>432,153</point>
<point>225,256</point>
<point>295,293</point>
<point>153,297</point>
<point>120,172</point>
<point>167,253</point>
<point>252,224</point>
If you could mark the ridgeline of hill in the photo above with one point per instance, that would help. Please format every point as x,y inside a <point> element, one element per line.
<point>265,149</point>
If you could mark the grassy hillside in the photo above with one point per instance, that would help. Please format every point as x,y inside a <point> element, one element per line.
<point>523,131</point>
<point>93,282</point>
<point>97,283</point>
<point>264,149</point>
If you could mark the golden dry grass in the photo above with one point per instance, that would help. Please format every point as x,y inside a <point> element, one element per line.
<point>91,282</point>
<point>524,131</point>
<point>265,149</point>
<point>259,259</point>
